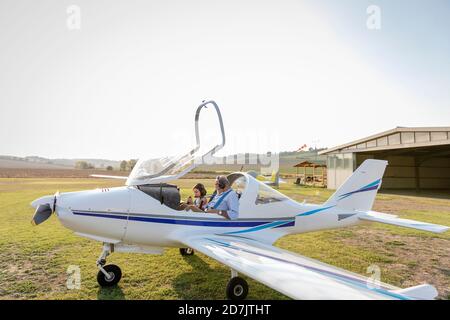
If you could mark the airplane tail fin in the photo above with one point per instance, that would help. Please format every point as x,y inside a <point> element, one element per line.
<point>359,190</point>
<point>358,193</point>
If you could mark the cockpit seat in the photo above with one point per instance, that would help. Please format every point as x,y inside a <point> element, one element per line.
<point>166,194</point>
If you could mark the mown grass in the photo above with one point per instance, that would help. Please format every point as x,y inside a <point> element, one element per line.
<point>34,260</point>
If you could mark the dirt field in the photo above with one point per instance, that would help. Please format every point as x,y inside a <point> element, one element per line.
<point>34,260</point>
<point>76,173</point>
<point>54,173</point>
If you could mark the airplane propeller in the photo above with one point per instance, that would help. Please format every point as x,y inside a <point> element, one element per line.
<point>43,212</point>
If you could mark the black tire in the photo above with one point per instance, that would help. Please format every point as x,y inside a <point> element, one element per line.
<point>237,289</point>
<point>114,271</point>
<point>186,251</point>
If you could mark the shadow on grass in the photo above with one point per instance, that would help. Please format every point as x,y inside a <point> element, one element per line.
<point>111,293</point>
<point>204,283</point>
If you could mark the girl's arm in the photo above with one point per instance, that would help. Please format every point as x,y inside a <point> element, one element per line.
<point>203,203</point>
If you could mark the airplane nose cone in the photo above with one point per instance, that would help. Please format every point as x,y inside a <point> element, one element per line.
<point>43,200</point>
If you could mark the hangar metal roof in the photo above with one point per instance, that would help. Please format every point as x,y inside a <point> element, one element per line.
<point>309,165</point>
<point>397,138</point>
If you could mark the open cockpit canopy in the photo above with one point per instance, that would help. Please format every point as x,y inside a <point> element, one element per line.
<point>255,192</point>
<point>150,171</point>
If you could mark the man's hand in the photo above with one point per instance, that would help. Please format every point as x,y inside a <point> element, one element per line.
<point>224,214</point>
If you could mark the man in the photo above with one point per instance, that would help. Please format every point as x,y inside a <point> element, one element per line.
<point>226,202</point>
<point>223,202</point>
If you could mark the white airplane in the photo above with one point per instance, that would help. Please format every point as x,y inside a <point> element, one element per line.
<point>143,217</point>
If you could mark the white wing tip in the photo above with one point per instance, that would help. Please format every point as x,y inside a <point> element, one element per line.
<point>422,291</point>
<point>108,177</point>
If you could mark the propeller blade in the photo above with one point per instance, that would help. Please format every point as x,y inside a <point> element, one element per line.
<point>42,213</point>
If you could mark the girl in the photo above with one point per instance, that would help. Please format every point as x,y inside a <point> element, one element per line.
<point>200,200</point>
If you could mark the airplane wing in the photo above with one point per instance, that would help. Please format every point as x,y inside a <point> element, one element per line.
<point>108,177</point>
<point>297,276</point>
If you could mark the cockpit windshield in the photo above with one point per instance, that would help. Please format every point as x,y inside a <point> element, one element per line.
<point>268,195</point>
<point>148,171</point>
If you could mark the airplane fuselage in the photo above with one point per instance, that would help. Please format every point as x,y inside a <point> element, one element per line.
<point>128,215</point>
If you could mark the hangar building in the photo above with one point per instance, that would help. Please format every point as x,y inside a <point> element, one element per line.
<point>419,158</point>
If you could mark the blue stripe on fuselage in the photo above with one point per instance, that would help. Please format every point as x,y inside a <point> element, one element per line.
<point>280,224</point>
<point>176,221</point>
<point>254,225</point>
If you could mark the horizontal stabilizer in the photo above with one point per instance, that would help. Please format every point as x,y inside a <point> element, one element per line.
<point>421,292</point>
<point>393,220</point>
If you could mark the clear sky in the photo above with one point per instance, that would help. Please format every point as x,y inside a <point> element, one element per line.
<point>284,73</point>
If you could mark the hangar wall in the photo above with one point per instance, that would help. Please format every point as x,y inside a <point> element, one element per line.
<point>419,158</point>
<point>401,172</point>
<point>339,168</point>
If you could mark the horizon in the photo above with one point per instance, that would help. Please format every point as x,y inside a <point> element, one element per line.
<point>126,159</point>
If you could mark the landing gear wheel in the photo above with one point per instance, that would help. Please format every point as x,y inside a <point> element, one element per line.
<point>186,251</point>
<point>237,289</point>
<point>114,276</point>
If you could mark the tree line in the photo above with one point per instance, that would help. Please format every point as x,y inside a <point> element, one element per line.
<point>125,165</point>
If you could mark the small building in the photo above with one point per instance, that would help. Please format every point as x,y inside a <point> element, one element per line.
<point>419,158</point>
<point>309,173</point>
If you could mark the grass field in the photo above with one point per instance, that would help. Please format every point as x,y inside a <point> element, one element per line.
<point>34,260</point>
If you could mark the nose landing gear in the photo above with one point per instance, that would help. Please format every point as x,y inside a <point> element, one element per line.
<point>108,275</point>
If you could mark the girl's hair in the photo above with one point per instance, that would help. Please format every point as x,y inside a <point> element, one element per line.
<point>200,187</point>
